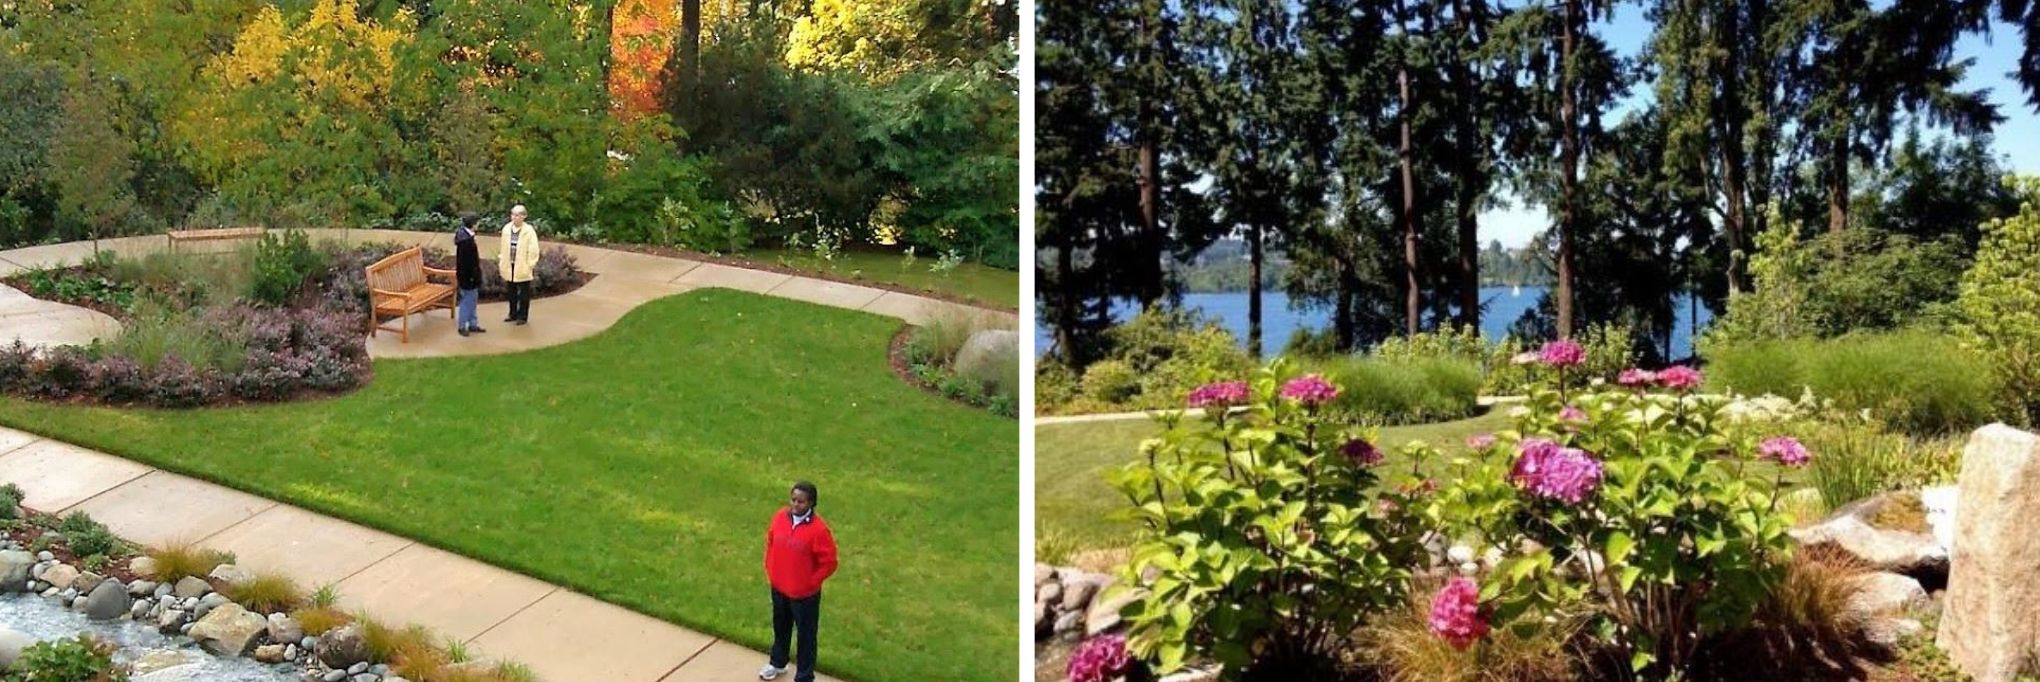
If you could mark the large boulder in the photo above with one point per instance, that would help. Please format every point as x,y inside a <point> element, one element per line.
<point>60,576</point>
<point>107,601</point>
<point>11,644</point>
<point>1990,623</point>
<point>985,350</point>
<point>229,630</point>
<point>1852,529</point>
<point>14,568</point>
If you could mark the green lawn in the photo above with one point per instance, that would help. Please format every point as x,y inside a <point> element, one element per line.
<point>641,466</point>
<point>970,281</point>
<point>1073,503</point>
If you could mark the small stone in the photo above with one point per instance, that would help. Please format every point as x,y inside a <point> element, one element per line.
<point>231,574</point>
<point>284,628</point>
<point>192,587</point>
<point>1050,593</point>
<point>270,653</point>
<point>78,603</point>
<point>139,611</point>
<point>1043,575</point>
<point>163,590</point>
<point>357,668</point>
<point>185,629</point>
<point>1070,622</point>
<point>365,677</point>
<point>1079,589</point>
<point>213,601</point>
<point>169,620</point>
<point>14,569</point>
<point>379,669</point>
<point>336,675</point>
<point>60,576</point>
<point>50,592</point>
<point>142,566</point>
<point>86,581</point>
<point>342,646</point>
<point>189,603</point>
<point>229,630</point>
<point>45,555</point>
<point>290,651</point>
<point>108,601</point>
<point>141,587</point>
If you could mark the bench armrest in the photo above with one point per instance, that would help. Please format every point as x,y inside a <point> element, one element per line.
<point>431,271</point>
<point>391,294</point>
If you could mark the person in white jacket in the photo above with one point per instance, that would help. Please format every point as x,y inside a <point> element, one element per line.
<point>518,263</point>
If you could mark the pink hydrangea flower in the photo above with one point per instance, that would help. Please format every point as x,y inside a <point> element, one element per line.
<point>1786,449</point>
<point>1636,378</point>
<point>1100,659</point>
<point>1480,441</point>
<point>1310,389</point>
<point>1549,470</point>
<point>1219,394</point>
<point>1361,453</point>
<point>1456,614</point>
<point>1562,353</point>
<point>1571,414</point>
<point>1679,378</point>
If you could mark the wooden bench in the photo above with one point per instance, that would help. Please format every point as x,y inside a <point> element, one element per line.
<point>215,234</point>
<point>401,285</point>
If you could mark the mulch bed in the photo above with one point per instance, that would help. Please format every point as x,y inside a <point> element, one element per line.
<point>771,266</point>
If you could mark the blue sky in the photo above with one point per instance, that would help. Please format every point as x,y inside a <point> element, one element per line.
<point>1996,55</point>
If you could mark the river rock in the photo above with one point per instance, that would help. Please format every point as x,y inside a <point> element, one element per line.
<point>191,586</point>
<point>87,581</point>
<point>11,644</point>
<point>157,660</point>
<point>284,628</point>
<point>269,653</point>
<point>1989,625</point>
<point>60,576</point>
<point>14,569</point>
<point>342,646</point>
<point>1043,574</point>
<point>1884,549</point>
<point>985,351</point>
<point>1104,612</point>
<point>1079,588</point>
<point>230,574</point>
<point>107,601</point>
<point>1883,594</point>
<point>142,566</point>
<point>212,601</point>
<point>229,630</point>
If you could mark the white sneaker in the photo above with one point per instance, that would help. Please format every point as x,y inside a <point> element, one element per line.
<point>770,673</point>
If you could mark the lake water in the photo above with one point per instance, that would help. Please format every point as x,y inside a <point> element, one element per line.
<point>1278,321</point>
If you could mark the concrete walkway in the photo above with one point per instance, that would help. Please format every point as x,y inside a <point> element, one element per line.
<point>563,636</point>
<point>624,281</point>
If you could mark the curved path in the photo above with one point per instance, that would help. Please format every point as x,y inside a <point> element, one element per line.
<point>625,280</point>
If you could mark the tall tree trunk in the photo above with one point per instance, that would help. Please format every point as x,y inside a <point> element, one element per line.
<point>1734,114</point>
<point>690,56</point>
<point>1569,155</point>
<point>1471,177</point>
<point>1349,288</point>
<point>1254,291</point>
<point>1412,296</point>
<point>1838,181</point>
<point>1066,304</point>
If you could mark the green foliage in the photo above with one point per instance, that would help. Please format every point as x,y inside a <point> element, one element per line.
<point>88,537</point>
<point>78,659</point>
<point>157,333</point>
<point>1836,283</point>
<point>64,284</point>
<point>2000,303</point>
<point>1858,460</point>
<point>10,501</point>
<point>1412,391</point>
<point>282,265</point>
<point>1917,381</point>
<point>1111,382</point>
<point>1055,384</point>
<point>1250,518</point>
<point>1687,528</point>
<point>662,199</point>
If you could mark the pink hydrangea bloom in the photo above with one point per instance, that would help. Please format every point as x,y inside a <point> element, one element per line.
<point>1100,659</point>
<point>1480,441</point>
<point>1456,614</point>
<point>1219,394</point>
<point>1361,453</point>
<point>1562,353</point>
<point>1679,378</point>
<point>1311,389</point>
<point>1786,449</point>
<point>1636,378</point>
<point>1549,470</point>
<point>1571,414</point>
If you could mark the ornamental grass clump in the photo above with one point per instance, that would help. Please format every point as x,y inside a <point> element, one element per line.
<point>1648,511</point>
<point>1271,535</point>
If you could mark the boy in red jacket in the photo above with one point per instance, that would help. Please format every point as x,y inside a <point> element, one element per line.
<point>799,554</point>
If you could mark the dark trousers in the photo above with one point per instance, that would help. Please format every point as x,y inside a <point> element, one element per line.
<point>519,294</point>
<point>787,615</point>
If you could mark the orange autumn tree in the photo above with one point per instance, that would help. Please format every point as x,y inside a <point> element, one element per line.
<point>640,41</point>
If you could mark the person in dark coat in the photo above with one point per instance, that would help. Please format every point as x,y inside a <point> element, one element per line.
<point>467,273</point>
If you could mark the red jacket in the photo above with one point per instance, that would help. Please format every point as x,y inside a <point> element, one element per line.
<point>797,560</point>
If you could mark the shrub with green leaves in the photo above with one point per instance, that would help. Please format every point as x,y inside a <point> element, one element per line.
<point>1412,391</point>
<point>1837,283</point>
<point>1858,460</point>
<point>1915,380</point>
<point>10,500</point>
<point>1270,535</point>
<point>1153,360</point>
<point>77,659</point>
<point>2000,303</point>
<point>1647,510</point>
<point>282,265</point>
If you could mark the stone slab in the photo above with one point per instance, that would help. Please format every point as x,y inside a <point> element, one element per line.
<point>825,292</point>
<point>641,266</point>
<point>726,662</point>
<point>58,475</point>
<point>626,290</point>
<point>569,637</point>
<point>715,275</point>
<point>163,509</point>
<point>914,310</point>
<point>11,440</point>
<point>313,550</point>
<point>56,324</point>
<point>453,595</point>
